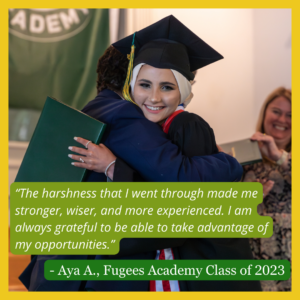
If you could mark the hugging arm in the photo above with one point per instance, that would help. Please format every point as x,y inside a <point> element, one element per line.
<point>145,147</point>
<point>189,132</point>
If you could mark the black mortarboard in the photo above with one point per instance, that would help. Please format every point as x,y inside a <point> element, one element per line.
<point>168,44</point>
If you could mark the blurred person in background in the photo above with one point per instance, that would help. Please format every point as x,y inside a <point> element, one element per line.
<point>273,133</point>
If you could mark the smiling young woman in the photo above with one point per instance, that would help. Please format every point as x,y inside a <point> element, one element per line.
<point>277,121</point>
<point>275,118</point>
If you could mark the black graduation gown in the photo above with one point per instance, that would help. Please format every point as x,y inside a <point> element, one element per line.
<point>194,137</point>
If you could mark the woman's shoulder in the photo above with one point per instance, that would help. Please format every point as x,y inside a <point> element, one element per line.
<point>192,134</point>
<point>187,118</point>
<point>110,108</point>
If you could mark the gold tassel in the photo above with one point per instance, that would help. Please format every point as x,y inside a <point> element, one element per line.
<point>126,86</point>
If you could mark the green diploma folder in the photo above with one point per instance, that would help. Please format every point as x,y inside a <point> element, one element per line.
<point>46,158</point>
<point>245,151</point>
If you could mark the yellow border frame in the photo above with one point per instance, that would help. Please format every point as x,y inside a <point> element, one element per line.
<point>155,4</point>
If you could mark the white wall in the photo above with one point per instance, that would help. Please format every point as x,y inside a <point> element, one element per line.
<point>272,52</point>
<point>255,44</point>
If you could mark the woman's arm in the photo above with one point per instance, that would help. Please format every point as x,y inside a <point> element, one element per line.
<point>97,158</point>
<point>270,150</point>
<point>188,131</point>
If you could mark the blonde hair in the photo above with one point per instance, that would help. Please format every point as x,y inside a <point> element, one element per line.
<point>279,92</point>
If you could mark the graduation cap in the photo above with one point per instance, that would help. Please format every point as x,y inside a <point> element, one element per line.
<point>166,44</point>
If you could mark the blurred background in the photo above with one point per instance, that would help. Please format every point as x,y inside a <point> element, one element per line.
<point>54,52</point>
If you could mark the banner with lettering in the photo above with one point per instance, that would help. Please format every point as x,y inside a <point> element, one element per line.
<point>54,52</point>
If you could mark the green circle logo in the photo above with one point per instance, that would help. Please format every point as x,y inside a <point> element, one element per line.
<point>47,25</point>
